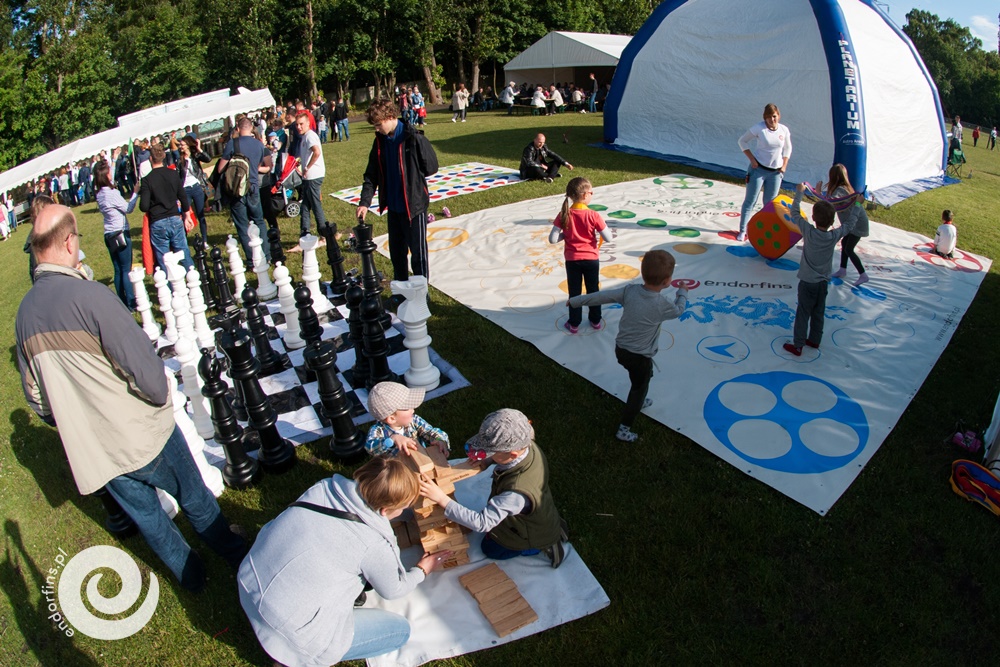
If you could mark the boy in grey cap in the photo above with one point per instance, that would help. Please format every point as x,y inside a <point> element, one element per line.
<point>397,428</point>
<point>520,518</point>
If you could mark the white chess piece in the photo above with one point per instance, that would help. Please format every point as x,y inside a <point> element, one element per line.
<point>413,313</point>
<point>185,323</point>
<point>286,303</point>
<point>210,475</point>
<point>142,304</point>
<point>197,299</point>
<point>163,295</point>
<point>311,274</point>
<point>176,274</point>
<point>188,357</point>
<point>266,290</point>
<point>167,503</point>
<point>236,268</point>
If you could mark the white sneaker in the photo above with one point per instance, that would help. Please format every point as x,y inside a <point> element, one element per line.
<point>648,402</point>
<point>742,236</point>
<point>625,434</point>
<point>453,120</point>
<point>463,120</point>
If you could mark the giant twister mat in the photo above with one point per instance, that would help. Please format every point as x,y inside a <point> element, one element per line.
<point>803,425</point>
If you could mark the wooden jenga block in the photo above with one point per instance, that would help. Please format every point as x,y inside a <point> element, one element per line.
<point>402,535</point>
<point>451,528</point>
<point>499,600</point>
<point>517,621</point>
<point>413,532</point>
<point>435,520</point>
<point>423,463</point>
<point>454,561</point>
<point>485,595</point>
<point>446,485</point>
<point>482,577</point>
<point>494,608</point>
<point>424,511</point>
<point>439,457</point>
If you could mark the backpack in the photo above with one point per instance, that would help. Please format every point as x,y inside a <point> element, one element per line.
<point>235,181</point>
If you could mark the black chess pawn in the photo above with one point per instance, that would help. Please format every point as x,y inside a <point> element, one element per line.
<point>274,241</point>
<point>270,361</point>
<point>276,454</point>
<point>335,258</point>
<point>370,279</point>
<point>118,522</point>
<point>347,443</point>
<point>240,470</point>
<point>309,328</point>
<point>226,302</point>
<point>201,265</point>
<point>376,348</point>
<point>354,296</point>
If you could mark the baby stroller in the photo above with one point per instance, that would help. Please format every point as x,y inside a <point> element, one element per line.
<point>280,194</point>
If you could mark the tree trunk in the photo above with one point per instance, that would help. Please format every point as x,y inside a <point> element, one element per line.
<point>475,76</point>
<point>310,57</point>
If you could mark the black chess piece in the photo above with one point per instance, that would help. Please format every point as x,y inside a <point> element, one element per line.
<point>270,361</point>
<point>201,265</point>
<point>309,329</point>
<point>240,470</point>
<point>335,258</point>
<point>276,454</point>
<point>370,279</point>
<point>354,296</point>
<point>226,303</point>
<point>347,443</point>
<point>118,522</point>
<point>376,349</point>
<point>274,241</point>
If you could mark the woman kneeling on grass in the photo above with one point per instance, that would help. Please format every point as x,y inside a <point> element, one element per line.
<point>303,581</point>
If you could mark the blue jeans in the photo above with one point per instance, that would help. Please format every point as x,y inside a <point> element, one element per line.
<point>175,471</point>
<point>592,103</point>
<point>12,220</point>
<point>121,260</point>
<point>492,549</point>
<point>311,201</point>
<point>245,209</point>
<point>322,136</point>
<point>342,130</point>
<point>167,235</point>
<point>376,631</point>
<point>196,195</point>
<point>759,178</point>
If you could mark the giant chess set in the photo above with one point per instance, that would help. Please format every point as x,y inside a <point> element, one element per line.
<point>283,364</point>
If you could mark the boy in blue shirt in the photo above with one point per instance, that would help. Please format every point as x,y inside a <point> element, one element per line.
<point>397,428</point>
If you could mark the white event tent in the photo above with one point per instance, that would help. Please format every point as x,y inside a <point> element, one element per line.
<point>558,55</point>
<point>140,125</point>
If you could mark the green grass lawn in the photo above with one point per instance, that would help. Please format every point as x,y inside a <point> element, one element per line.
<point>702,563</point>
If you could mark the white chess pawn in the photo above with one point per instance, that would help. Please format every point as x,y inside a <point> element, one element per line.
<point>176,273</point>
<point>185,323</point>
<point>197,299</point>
<point>164,296</point>
<point>188,357</point>
<point>311,274</point>
<point>413,313</point>
<point>210,475</point>
<point>286,303</point>
<point>236,268</point>
<point>266,290</point>
<point>142,304</point>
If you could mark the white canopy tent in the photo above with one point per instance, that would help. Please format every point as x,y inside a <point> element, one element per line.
<point>556,56</point>
<point>140,125</point>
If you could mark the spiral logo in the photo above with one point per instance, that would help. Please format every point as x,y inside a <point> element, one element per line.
<point>71,587</point>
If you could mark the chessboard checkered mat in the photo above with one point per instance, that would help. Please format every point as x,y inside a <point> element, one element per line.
<point>458,179</point>
<point>294,393</point>
<point>445,620</point>
<point>805,426</point>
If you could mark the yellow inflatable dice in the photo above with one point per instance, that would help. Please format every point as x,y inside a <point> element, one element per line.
<point>771,230</point>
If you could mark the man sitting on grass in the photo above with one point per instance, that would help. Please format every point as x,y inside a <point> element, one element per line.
<point>538,162</point>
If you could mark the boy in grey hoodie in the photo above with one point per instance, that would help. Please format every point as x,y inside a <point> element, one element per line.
<point>818,244</point>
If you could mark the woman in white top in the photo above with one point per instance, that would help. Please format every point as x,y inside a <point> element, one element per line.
<point>459,102</point>
<point>538,98</point>
<point>768,145</point>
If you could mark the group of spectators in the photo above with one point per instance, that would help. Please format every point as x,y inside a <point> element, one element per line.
<point>588,98</point>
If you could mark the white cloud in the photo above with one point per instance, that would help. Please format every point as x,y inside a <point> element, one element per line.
<point>985,29</point>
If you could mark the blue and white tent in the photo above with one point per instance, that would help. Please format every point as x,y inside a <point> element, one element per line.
<point>850,85</point>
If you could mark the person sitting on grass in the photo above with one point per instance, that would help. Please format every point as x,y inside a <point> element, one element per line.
<point>818,244</point>
<point>946,237</point>
<point>398,429</point>
<point>538,162</point>
<point>643,309</point>
<point>520,518</point>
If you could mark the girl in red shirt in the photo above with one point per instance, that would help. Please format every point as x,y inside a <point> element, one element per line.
<point>578,227</point>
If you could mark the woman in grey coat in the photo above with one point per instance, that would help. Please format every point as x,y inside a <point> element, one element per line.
<point>308,567</point>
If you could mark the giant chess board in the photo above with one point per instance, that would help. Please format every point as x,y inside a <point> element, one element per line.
<point>294,391</point>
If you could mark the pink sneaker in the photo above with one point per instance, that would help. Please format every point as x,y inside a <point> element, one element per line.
<point>570,328</point>
<point>445,212</point>
<point>597,325</point>
<point>839,273</point>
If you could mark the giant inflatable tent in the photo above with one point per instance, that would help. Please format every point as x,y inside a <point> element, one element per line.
<point>850,85</point>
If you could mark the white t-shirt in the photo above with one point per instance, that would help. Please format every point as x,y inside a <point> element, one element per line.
<point>190,180</point>
<point>310,139</point>
<point>770,147</point>
<point>557,99</point>
<point>946,239</point>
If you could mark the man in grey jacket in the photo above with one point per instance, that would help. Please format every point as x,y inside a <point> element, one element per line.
<point>87,365</point>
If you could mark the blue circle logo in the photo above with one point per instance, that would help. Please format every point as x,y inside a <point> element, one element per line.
<point>787,422</point>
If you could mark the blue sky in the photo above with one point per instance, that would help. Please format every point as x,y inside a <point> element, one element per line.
<point>979,16</point>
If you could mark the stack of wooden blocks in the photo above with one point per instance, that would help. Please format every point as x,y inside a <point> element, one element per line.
<point>498,598</point>
<point>436,533</point>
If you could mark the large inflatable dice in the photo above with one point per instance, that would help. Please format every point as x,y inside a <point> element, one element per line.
<point>771,231</point>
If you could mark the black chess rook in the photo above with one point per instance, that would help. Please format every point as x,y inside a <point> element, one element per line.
<point>347,443</point>
<point>240,470</point>
<point>276,454</point>
<point>376,348</point>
